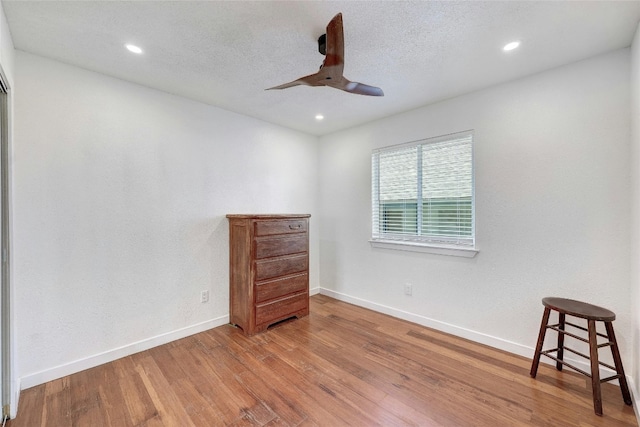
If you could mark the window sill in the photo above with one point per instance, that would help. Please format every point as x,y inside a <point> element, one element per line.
<point>424,247</point>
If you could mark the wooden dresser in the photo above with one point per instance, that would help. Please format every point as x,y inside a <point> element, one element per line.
<point>268,269</point>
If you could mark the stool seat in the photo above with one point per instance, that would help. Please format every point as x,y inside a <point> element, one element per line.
<point>579,309</point>
<point>592,314</point>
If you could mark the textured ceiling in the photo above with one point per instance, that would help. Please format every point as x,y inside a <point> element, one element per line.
<point>227,53</point>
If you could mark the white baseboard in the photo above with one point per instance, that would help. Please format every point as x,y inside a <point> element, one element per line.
<point>479,337</point>
<point>635,396</point>
<point>41,377</point>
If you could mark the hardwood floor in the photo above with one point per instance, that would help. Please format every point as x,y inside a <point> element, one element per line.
<point>341,365</point>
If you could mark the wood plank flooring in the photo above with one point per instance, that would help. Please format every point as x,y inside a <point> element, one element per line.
<point>342,365</point>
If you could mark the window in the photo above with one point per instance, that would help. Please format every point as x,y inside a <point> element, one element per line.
<point>422,193</point>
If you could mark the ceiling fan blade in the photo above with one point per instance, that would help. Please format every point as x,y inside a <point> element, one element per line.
<point>286,85</point>
<point>362,89</point>
<point>334,56</point>
<point>309,80</point>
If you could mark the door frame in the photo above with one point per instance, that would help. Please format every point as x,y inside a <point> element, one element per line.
<point>6,378</point>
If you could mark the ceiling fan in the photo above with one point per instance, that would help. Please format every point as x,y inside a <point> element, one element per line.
<point>331,45</point>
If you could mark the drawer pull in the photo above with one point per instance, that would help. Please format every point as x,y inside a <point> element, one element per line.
<point>294,227</point>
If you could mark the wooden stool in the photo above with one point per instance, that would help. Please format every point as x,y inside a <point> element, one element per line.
<point>592,314</point>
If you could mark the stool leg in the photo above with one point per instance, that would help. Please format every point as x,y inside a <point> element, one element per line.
<point>624,388</point>
<point>560,341</point>
<point>543,330</point>
<point>595,368</point>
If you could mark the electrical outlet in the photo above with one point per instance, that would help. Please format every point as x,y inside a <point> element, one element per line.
<point>408,288</point>
<point>204,296</point>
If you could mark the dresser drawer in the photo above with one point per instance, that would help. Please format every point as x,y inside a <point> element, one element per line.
<point>281,308</point>
<point>278,246</point>
<point>276,288</point>
<point>283,266</point>
<point>283,226</point>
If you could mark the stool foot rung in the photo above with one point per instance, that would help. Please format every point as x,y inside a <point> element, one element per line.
<point>562,331</point>
<point>614,377</point>
<point>613,368</point>
<point>588,358</point>
<point>605,344</point>
<point>585,329</point>
<point>545,353</point>
<point>577,352</point>
<point>555,350</point>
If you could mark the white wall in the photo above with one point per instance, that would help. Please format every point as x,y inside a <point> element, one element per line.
<point>120,197</point>
<point>635,214</point>
<point>552,208</point>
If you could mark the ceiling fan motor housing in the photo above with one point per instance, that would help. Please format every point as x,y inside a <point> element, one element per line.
<point>322,44</point>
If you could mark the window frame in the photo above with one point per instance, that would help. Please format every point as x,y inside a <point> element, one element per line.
<point>447,245</point>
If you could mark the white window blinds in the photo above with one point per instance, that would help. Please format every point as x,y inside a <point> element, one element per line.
<point>423,191</point>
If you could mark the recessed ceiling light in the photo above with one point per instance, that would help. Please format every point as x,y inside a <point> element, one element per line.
<point>133,48</point>
<point>319,117</point>
<point>511,46</point>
